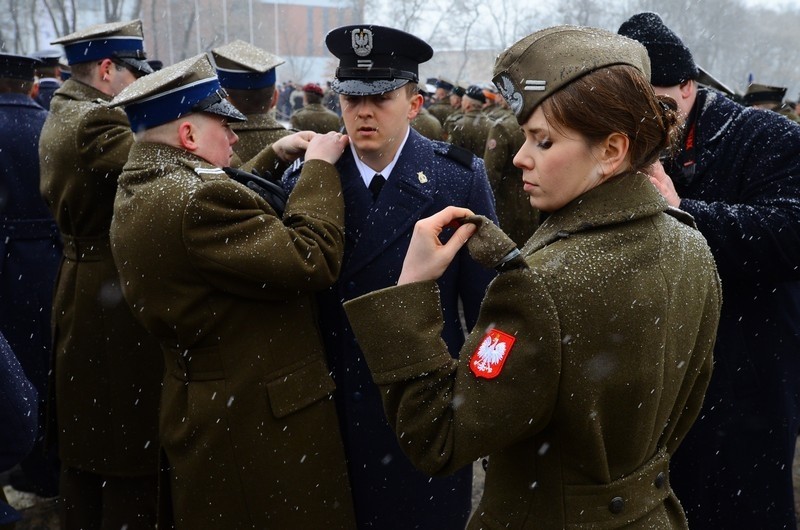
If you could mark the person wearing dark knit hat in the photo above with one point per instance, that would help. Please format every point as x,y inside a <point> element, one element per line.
<point>671,62</point>
<point>593,346</point>
<point>738,173</point>
<point>313,115</point>
<point>391,177</point>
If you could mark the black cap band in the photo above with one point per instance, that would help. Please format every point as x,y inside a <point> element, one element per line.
<point>375,73</point>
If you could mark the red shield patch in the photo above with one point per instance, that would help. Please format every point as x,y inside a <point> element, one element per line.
<point>489,357</point>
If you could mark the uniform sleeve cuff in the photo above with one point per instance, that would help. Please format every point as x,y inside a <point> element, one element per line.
<point>399,329</point>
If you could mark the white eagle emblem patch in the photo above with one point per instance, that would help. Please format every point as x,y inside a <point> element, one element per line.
<point>362,41</point>
<point>506,87</point>
<point>488,359</point>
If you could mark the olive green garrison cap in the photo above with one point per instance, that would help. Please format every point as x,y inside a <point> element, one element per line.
<point>535,67</point>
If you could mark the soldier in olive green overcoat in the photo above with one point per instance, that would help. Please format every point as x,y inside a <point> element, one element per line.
<point>427,125</point>
<point>248,426</point>
<point>441,107</point>
<point>515,214</point>
<point>248,74</point>
<point>107,367</point>
<point>593,348</point>
<point>470,128</point>
<point>313,116</point>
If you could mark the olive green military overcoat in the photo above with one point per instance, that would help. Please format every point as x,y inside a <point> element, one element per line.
<point>108,369</point>
<point>469,130</point>
<point>257,133</point>
<point>608,335</point>
<point>315,117</point>
<point>248,425</point>
<point>515,214</point>
<point>441,109</point>
<point>427,125</point>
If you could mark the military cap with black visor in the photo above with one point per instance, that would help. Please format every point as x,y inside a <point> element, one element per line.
<point>763,94</point>
<point>375,59</point>
<point>48,56</point>
<point>189,86</point>
<point>122,42</point>
<point>240,65</point>
<point>18,66</point>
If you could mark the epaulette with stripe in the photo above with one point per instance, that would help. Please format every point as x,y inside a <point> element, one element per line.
<point>454,152</point>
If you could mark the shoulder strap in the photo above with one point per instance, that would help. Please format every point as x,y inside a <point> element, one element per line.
<point>268,190</point>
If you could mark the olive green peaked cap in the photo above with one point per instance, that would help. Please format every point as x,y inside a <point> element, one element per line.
<point>123,41</point>
<point>183,88</point>
<point>240,65</point>
<point>535,67</point>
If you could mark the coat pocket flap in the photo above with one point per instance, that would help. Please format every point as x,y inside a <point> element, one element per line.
<point>300,388</point>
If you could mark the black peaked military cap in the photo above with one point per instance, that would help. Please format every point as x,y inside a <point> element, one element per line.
<point>18,66</point>
<point>375,59</point>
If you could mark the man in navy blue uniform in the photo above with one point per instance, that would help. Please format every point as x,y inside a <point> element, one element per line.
<point>48,78</point>
<point>18,418</point>
<point>30,250</point>
<point>738,174</point>
<point>391,177</point>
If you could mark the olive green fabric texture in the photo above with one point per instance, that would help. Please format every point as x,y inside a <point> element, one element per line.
<point>107,368</point>
<point>248,426</point>
<point>613,323</point>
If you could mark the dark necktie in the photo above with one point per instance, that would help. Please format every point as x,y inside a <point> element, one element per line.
<point>376,185</point>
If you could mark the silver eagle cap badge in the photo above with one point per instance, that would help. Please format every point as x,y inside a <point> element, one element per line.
<point>362,41</point>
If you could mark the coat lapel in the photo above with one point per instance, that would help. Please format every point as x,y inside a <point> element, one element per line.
<point>374,227</point>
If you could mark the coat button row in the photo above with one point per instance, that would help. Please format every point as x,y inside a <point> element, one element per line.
<point>616,505</point>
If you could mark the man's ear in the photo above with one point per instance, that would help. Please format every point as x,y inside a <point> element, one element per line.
<point>613,153</point>
<point>104,69</point>
<point>187,136</point>
<point>416,104</point>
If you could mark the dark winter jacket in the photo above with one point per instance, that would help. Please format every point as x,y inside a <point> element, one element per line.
<point>741,182</point>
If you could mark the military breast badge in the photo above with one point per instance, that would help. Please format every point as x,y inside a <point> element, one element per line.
<point>488,359</point>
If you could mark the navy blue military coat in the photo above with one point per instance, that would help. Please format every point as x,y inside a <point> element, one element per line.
<point>17,418</point>
<point>742,185</point>
<point>388,491</point>
<point>47,87</point>
<point>30,249</point>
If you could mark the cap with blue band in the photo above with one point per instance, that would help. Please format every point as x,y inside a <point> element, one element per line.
<point>244,79</point>
<point>173,92</point>
<point>94,49</point>
<point>122,41</point>
<point>242,66</point>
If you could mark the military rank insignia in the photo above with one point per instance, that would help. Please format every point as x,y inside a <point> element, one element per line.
<point>488,359</point>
